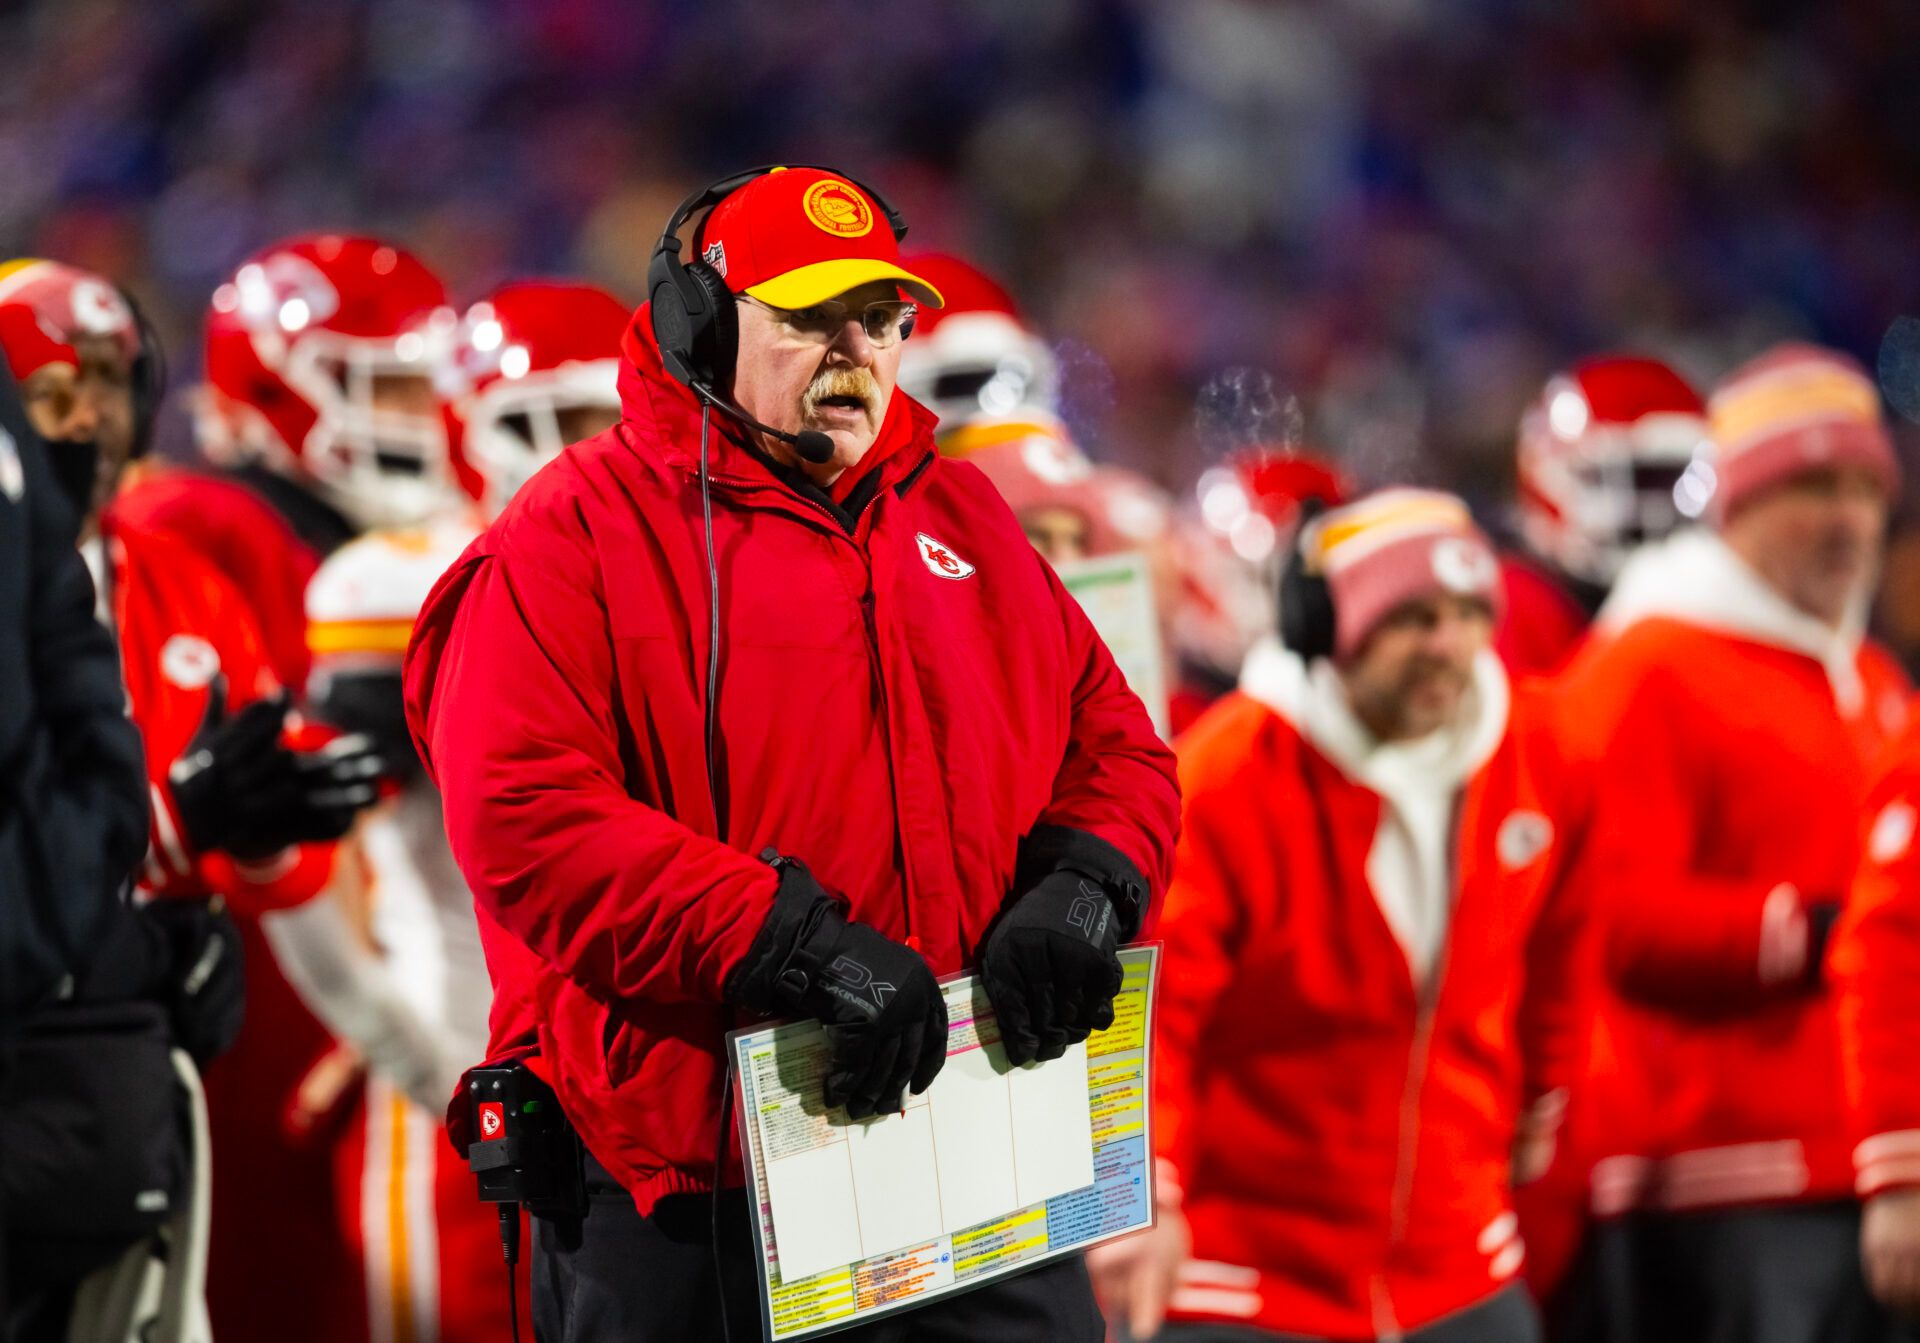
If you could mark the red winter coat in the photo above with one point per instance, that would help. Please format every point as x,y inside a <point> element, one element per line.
<point>898,707</point>
<point>1337,1102</point>
<point>1730,743</point>
<point>1875,966</point>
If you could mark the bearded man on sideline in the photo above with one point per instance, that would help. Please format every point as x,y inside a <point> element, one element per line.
<point>1369,1010</point>
<point>908,754</point>
<point>1731,709</point>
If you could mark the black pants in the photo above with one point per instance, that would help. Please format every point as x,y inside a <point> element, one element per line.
<point>1767,1275</point>
<point>650,1279</point>
<point>1506,1317</point>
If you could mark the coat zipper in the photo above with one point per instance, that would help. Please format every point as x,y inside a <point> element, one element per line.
<point>738,485</point>
<point>1386,1322</point>
<point>886,731</point>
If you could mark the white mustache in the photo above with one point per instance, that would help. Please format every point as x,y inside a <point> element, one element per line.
<point>842,382</point>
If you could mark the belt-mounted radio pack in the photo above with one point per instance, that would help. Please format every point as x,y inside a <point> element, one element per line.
<point>525,1154</point>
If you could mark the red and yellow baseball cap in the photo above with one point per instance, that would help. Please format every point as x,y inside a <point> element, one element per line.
<point>794,237</point>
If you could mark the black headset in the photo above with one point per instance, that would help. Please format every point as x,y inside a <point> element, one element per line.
<point>694,320</point>
<point>1306,601</point>
<point>149,376</point>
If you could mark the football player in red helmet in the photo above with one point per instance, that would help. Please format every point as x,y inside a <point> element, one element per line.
<point>324,360</point>
<point>1601,451</point>
<point>325,357</point>
<point>540,361</point>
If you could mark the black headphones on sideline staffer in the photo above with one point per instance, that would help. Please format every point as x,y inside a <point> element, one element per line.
<point>694,320</point>
<point>1306,602</point>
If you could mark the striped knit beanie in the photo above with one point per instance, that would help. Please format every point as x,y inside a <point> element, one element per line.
<point>1392,547</point>
<point>1795,408</point>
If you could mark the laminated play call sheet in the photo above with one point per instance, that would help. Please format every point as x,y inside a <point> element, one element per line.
<point>994,1168</point>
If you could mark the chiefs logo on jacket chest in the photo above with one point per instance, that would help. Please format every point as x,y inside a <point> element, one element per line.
<point>939,558</point>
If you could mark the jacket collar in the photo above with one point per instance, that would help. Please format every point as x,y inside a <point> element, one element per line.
<point>1694,577</point>
<point>660,420</point>
<point>1312,699</point>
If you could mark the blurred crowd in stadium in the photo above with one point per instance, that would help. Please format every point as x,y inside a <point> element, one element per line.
<point>1210,271</point>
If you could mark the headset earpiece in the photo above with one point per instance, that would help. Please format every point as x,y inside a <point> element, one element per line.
<point>149,378</point>
<point>1306,602</point>
<point>694,320</point>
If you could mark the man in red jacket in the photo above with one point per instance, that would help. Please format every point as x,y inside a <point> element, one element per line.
<point>753,705</point>
<point>1875,965</point>
<point>1370,988</point>
<point>1729,707</point>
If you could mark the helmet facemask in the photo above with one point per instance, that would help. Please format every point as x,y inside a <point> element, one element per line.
<point>377,459</point>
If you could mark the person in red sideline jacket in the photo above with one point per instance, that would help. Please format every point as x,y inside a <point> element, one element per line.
<point>906,755</point>
<point>320,405</point>
<point>1875,968</point>
<point>1600,452</point>
<point>1370,988</point>
<point>1728,708</point>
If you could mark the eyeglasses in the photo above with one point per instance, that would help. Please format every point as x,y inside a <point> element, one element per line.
<point>886,323</point>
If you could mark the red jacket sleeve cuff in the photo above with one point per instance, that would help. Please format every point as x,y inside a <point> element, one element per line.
<point>1887,1161</point>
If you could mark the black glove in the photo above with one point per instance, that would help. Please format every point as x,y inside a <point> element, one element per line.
<point>885,1017</point>
<point>1051,966</point>
<point>205,987</point>
<point>239,788</point>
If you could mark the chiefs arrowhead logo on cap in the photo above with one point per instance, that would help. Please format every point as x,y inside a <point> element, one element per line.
<point>940,559</point>
<point>836,207</point>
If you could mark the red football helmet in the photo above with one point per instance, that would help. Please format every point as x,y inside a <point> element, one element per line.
<point>1601,450</point>
<point>976,356</point>
<point>326,359</point>
<point>1253,501</point>
<point>541,365</point>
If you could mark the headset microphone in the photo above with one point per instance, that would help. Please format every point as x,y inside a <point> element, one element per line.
<point>811,444</point>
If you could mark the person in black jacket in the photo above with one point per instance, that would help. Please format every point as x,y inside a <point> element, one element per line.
<point>73,796</point>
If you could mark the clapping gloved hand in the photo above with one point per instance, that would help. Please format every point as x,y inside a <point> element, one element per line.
<point>1051,961</point>
<point>241,789</point>
<point>885,1017</point>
